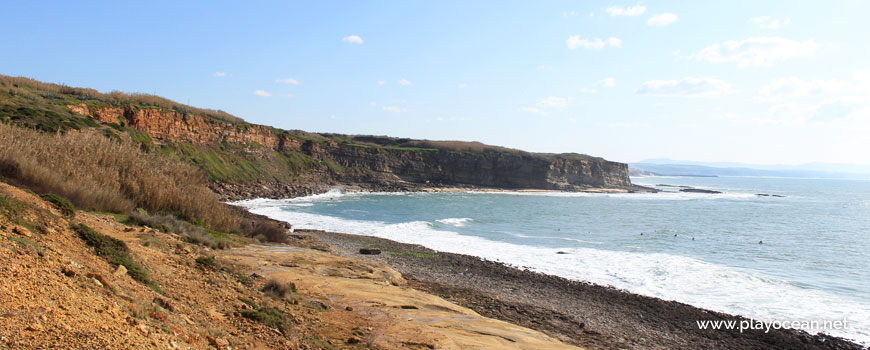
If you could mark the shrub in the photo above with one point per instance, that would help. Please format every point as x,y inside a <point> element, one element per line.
<point>207,261</point>
<point>114,251</point>
<point>66,207</point>
<point>264,230</point>
<point>269,316</point>
<point>278,289</point>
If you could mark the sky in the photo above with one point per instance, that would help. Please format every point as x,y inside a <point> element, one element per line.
<point>766,82</point>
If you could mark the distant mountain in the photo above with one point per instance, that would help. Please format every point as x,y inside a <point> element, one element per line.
<point>670,167</point>
<point>815,166</point>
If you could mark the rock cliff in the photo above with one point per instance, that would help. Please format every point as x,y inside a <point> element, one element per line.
<point>284,162</point>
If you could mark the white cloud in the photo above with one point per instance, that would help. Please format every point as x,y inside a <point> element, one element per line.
<point>404,82</point>
<point>768,22</point>
<point>756,51</point>
<point>381,82</point>
<point>607,82</point>
<point>219,74</point>
<point>463,85</point>
<point>686,87</point>
<point>393,109</point>
<point>614,42</point>
<point>588,91</point>
<point>662,20</point>
<point>553,102</point>
<point>567,14</point>
<point>353,39</point>
<point>262,93</point>
<point>636,10</point>
<point>795,101</point>
<point>373,103</point>
<point>794,87</point>
<point>290,81</point>
<point>289,95</point>
<point>575,42</point>
<point>531,110</point>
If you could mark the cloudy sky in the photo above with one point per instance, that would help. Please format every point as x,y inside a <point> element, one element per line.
<point>772,82</point>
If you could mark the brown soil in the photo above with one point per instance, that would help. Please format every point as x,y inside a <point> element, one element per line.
<point>55,292</point>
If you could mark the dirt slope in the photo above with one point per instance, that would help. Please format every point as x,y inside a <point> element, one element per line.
<point>56,292</point>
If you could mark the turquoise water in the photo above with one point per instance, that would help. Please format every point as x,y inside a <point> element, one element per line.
<point>701,249</point>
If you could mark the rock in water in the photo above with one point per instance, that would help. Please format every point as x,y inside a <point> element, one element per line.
<point>698,190</point>
<point>369,251</point>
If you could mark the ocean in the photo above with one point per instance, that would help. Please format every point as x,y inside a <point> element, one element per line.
<point>804,256</point>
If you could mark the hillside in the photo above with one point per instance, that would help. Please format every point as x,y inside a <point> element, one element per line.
<point>244,160</point>
<point>76,279</point>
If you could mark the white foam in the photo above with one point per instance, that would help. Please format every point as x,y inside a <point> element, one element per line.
<point>638,196</point>
<point>670,277</point>
<point>458,222</point>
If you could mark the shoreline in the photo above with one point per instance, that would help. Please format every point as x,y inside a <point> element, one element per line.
<point>274,190</point>
<point>575,312</point>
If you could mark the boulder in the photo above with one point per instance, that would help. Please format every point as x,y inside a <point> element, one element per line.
<point>369,251</point>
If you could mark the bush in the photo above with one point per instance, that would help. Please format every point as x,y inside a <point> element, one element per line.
<point>66,207</point>
<point>264,230</point>
<point>269,316</point>
<point>278,289</point>
<point>190,232</point>
<point>114,251</point>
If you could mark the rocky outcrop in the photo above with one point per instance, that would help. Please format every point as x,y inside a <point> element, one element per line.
<point>173,126</point>
<point>486,169</point>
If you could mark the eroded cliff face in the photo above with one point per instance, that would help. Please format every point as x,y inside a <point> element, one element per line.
<point>340,159</point>
<point>486,169</point>
<point>172,126</point>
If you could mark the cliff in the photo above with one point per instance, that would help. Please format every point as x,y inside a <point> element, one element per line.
<point>246,160</point>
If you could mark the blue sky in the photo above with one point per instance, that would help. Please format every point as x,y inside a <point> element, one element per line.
<point>772,82</point>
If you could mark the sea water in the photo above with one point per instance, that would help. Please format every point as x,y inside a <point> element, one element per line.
<point>804,256</point>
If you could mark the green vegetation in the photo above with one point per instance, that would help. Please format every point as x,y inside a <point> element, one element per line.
<point>26,243</point>
<point>58,96</point>
<point>422,255</point>
<point>220,164</point>
<point>115,252</point>
<point>269,316</point>
<point>66,207</point>
<point>210,263</point>
<point>142,139</point>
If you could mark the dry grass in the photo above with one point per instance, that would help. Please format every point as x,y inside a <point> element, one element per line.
<point>35,89</point>
<point>101,173</point>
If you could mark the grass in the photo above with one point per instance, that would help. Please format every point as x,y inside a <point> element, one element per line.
<point>142,139</point>
<point>268,316</point>
<point>209,262</point>
<point>31,89</point>
<point>115,252</point>
<point>422,255</point>
<point>98,173</point>
<point>26,243</point>
<point>64,205</point>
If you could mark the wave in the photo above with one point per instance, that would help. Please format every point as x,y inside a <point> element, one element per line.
<point>458,222</point>
<point>639,196</point>
<point>670,277</point>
